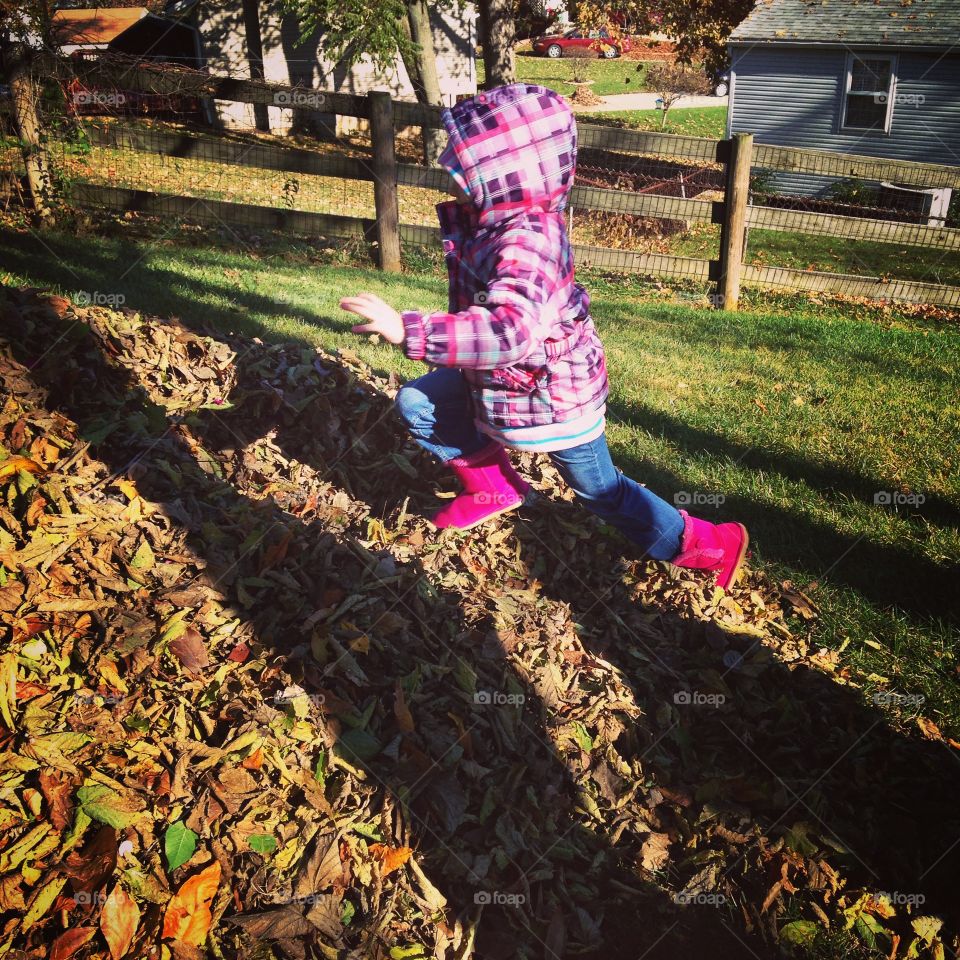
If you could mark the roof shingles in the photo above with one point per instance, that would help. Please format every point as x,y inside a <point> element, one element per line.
<point>898,23</point>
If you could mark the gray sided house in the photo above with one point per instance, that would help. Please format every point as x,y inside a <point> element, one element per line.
<point>262,40</point>
<point>873,77</point>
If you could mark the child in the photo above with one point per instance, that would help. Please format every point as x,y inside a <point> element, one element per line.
<point>519,361</point>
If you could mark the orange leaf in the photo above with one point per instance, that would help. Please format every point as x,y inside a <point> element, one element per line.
<point>276,552</point>
<point>188,915</point>
<point>119,919</point>
<point>70,941</point>
<point>929,729</point>
<point>16,464</point>
<point>35,511</point>
<point>391,858</point>
<point>401,711</point>
<point>27,689</point>
<point>59,305</point>
<point>83,623</point>
<point>254,761</point>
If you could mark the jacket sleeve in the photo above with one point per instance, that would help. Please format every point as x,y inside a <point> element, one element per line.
<point>508,320</point>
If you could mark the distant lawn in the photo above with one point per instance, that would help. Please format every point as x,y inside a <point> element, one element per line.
<point>708,122</point>
<point>828,254</point>
<point>609,76</point>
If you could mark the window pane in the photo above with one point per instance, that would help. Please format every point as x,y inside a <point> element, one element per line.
<point>870,76</point>
<point>865,113</point>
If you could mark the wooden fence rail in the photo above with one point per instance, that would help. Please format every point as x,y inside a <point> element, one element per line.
<point>734,213</point>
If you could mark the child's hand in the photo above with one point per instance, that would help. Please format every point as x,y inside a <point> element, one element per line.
<point>383,319</point>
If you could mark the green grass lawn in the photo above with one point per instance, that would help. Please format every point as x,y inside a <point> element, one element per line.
<point>608,76</point>
<point>829,254</point>
<point>801,416</point>
<point>708,122</point>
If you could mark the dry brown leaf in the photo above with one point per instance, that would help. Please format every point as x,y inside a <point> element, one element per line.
<point>11,596</point>
<point>190,650</point>
<point>70,941</point>
<point>57,790</point>
<point>90,868</point>
<point>655,851</point>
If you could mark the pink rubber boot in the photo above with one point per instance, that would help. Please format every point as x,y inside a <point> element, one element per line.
<point>490,487</point>
<point>709,546</point>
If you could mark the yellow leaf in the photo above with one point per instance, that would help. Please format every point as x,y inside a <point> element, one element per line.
<point>8,688</point>
<point>42,901</point>
<point>129,489</point>
<point>15,464</point>
<point>108,670</point>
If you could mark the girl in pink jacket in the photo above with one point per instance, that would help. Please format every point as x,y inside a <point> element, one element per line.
<point>517,357</point>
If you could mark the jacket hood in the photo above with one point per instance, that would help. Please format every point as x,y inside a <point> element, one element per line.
<point>513,149</point>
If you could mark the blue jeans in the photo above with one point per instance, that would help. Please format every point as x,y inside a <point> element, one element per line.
<point>436,410</point>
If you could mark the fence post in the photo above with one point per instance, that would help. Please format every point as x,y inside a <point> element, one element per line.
<point>735,218</point>
<point>385,180</point>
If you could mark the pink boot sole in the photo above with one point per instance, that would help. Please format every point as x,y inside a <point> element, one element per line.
<point>444,519</point>
<point>732,575</point>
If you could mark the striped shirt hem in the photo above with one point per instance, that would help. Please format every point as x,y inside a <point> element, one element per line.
<point>551,436</point>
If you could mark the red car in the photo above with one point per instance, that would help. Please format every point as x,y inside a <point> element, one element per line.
<point>554,45</point>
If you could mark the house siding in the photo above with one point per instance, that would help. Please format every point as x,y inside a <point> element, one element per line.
<point>792,96</point>
<point>288,60</point>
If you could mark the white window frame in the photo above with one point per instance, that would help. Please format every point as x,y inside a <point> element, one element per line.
<point>892,59</point>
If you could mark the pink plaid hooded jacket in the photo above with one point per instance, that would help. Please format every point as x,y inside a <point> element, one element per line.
<point>518,325</point>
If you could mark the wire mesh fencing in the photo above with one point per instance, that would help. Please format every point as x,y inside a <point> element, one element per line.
<point>242,155</point>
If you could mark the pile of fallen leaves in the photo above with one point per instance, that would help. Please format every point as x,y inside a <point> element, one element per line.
<point>583,96</point>
<point>253,705</point>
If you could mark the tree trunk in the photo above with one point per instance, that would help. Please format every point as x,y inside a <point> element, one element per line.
<point>422,70</point>
<point>498,37</point>
<point>251,28</point>
<point>18,64</point>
